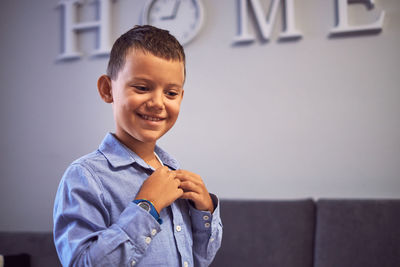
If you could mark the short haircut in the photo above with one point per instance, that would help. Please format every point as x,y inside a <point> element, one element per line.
<point>149,39</point>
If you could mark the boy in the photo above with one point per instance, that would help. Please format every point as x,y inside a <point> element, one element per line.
<point>128,203</point>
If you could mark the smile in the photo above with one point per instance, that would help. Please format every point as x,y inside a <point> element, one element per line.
<point>150,118</point>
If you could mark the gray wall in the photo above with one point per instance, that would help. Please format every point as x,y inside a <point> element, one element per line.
<point>317,117</point>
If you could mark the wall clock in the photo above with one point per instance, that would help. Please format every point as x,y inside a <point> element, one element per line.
<point>183,18</point>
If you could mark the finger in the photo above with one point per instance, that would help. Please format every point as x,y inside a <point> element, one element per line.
<point>179,193</point>
<point>185,173</point>
<point>189,177</point>
<point>178,182</point>
<point>166,169</point>
<point>199,202</point>
<point>163,170</point>
<point>189,186</point>
<point>171,174</point>
<point>190,195</point>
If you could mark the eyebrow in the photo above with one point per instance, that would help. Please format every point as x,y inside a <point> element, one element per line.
<point>151,82</point>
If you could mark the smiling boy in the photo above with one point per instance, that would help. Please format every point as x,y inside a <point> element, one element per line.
<point>129,203</point>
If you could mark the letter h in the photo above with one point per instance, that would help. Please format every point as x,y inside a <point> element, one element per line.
<point>71,29</point>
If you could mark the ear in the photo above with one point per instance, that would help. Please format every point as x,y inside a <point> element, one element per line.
<point>104,88</point>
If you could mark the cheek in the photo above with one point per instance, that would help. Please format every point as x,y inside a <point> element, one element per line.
<point>173,110</point>
<point>132,103</point>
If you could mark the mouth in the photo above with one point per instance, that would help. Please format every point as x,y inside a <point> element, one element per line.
<point>150,117</point>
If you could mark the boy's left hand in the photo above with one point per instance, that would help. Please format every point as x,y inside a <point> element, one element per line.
<point>194,189</point>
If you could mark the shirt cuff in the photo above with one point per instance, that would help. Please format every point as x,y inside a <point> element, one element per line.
<point>139,225</point>
<point>204,221</point>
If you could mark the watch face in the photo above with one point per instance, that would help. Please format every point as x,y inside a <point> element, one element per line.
<point>145,206</point>
<point>183,18</point>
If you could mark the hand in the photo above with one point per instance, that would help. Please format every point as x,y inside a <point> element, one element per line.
<point>161,188</point>
<point>195,190</point>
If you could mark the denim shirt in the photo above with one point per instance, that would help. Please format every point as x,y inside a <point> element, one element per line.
<point>97,224</point>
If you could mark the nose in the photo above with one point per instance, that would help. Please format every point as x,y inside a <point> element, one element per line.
<point>156,101</point>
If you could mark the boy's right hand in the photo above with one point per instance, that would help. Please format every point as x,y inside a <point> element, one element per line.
<point>161,188</point>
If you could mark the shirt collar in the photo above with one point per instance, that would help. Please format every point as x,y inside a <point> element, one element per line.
<point>118,155</point>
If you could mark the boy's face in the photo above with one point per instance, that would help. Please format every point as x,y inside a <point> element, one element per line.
<point>147,95</point>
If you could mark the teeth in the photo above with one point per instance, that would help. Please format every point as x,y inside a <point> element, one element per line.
<point>150,118</point>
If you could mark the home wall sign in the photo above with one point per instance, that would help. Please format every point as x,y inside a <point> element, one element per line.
<point>184,18</point>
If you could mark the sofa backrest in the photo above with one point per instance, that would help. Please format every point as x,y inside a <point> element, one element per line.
<point>357,233</point>
<point>267,233</point>
<point>39,246</point>
<point>297,233</point>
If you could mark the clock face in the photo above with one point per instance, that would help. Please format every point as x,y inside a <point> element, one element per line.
<point>182,18</point>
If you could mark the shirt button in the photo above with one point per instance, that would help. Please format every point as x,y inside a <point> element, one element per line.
<point>207,225</point>
<point>178,228</point>
<point>148,240</point>
<point>206,217</point>
<point>153,232</point>
<point>185,264</point>
<point>212,239</point>
<point>133,263</point>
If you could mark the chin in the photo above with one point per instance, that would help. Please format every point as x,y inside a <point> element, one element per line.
<point>149,140</point>
<point>146,135</point>
<point>152,138</point>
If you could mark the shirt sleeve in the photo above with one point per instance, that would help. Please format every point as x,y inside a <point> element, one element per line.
<point>207,233</point>
<point>83,233</point>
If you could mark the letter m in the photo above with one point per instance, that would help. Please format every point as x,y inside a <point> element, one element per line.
<point>265,23</point>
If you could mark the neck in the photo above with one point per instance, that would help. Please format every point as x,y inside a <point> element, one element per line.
<point>144,150</point>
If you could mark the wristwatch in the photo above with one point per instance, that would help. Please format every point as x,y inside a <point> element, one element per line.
<point>144,205</point>
<point>149,207</point>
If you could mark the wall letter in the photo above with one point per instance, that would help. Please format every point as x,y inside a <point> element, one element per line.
<point>343,26</point>
<point>265,25</point>
<point>71,28</point>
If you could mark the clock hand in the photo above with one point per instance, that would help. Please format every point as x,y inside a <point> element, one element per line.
<point>174,11</point>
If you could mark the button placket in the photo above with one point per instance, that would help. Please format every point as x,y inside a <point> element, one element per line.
<point>153,232</point>
<point>147,240</point>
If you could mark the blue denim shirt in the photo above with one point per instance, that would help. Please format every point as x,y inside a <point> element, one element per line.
<point>97,224</point>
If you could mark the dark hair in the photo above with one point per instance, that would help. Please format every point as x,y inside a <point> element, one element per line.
<point>149,39</point>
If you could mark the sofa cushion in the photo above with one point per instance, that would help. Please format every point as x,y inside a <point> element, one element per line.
<point>267,233</point>
<point>39,246</point>
<point>357,233</point>
<point>17,260</point>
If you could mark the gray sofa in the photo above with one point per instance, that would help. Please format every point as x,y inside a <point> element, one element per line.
<point>284,233</point>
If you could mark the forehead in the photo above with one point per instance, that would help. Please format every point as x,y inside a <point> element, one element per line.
<point>139,62</point>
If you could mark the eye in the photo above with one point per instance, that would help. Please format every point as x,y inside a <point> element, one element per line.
<point>141,88</point>
<point>171,93</point>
